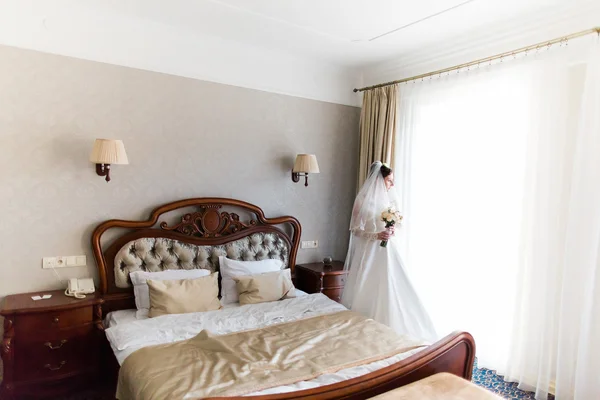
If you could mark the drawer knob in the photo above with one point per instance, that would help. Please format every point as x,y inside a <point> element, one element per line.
<point>51,368</point>
<point>55,320</point>
<point>58,346</point>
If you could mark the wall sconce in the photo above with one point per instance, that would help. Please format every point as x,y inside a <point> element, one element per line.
<point>305,164</point>
<point>106,152</point>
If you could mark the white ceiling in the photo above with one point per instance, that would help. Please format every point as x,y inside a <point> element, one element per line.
<point>318,49</point>
<point>345,32</point>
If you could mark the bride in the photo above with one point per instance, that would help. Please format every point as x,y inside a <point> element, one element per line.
<point>377,284</point>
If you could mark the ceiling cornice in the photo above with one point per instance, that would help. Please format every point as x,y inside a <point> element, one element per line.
<point>480,42</point>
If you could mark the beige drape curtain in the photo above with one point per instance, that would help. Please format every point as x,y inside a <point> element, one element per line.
<point>377,128</point>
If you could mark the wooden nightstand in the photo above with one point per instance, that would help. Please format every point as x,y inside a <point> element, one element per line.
<point>318,278</point>
<point>50,347</point>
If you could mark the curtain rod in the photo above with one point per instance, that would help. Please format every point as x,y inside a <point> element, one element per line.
<point>488,59</point>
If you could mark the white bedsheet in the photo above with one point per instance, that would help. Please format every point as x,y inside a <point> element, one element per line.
<point>114,318</point>
<point>125,338</point>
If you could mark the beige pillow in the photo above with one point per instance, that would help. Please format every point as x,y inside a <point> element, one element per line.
<point>184,295</point>
<point>260,288</point>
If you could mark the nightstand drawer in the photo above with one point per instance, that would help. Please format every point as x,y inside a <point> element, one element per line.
<point>33,323</point>
<point>49,359</point>
<point>334,281</point>
<point>48,368</point>
<point>54,337</point>
<point>334,294</point>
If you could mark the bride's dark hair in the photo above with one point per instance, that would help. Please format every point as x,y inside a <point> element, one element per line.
<point>385,171</point>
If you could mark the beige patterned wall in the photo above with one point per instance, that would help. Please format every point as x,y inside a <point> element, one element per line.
<point>185,138</point>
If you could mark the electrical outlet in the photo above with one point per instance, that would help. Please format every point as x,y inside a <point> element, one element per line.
<point>310,244</point>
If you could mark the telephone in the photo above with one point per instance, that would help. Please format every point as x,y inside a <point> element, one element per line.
<point>79,287</point>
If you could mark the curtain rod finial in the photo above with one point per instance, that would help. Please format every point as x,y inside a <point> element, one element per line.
<point>355,90</point>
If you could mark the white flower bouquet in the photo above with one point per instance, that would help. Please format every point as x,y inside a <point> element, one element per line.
<point>391,217</point>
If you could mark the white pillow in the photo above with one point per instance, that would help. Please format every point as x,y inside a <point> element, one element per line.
<point>230,268</point>
<point>140,284</point>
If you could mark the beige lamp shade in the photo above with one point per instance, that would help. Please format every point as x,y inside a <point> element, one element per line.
<point>109,151</point>
<point>306,163</point>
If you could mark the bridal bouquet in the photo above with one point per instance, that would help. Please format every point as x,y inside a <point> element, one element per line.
<point>390,216</point>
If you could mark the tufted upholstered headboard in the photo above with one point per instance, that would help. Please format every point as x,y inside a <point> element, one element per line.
<point>204,229</point>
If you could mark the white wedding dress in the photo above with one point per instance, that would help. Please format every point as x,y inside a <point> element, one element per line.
<point>377,284</point>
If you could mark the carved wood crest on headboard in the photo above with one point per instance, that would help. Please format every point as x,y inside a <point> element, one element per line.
<point>208,222</point>
<point>207,225</point>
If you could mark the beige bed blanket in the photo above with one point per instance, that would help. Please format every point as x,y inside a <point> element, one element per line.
<point>244,362</point>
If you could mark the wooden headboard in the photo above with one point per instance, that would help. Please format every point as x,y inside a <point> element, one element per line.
<point>202,225</point>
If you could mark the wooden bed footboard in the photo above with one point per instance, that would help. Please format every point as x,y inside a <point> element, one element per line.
<point>454,353</point>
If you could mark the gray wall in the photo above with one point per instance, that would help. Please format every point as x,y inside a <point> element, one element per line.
<point>184,138</point>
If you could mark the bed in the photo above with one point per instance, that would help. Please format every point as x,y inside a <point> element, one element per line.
<point>192,234</point>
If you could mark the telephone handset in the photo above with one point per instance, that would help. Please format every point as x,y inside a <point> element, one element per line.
<point>78,288</point>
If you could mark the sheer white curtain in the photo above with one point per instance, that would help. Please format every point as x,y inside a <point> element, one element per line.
<point>556,338</point>
<point>488,163</point>
<point>461,168</point>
